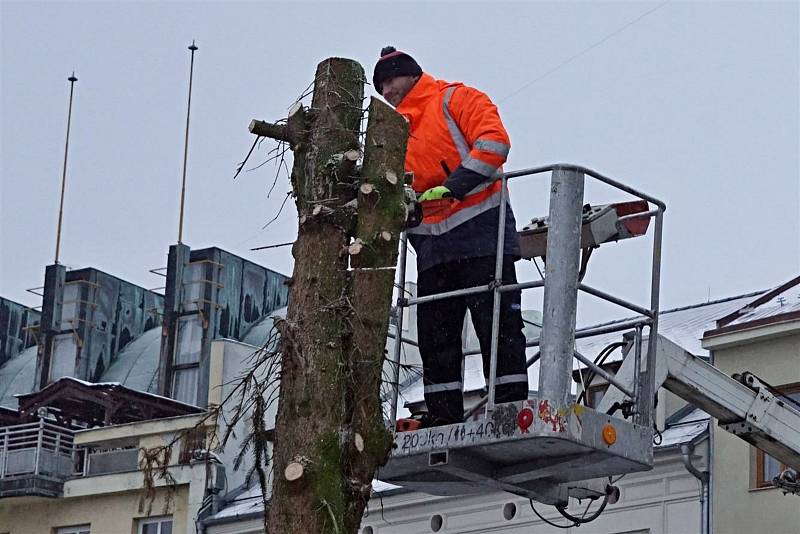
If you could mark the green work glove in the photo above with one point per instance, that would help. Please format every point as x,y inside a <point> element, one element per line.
<point>435,193</point>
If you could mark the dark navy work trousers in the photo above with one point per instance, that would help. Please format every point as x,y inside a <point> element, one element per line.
<point>439,327</point>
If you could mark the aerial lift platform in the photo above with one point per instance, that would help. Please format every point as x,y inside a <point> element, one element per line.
<point>538,447</point>
<point>550,448</point>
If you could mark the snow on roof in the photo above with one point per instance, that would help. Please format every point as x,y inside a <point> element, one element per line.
<point>685,429</point>
<point>782,300</point>
<point>762,312</point>
<point>247,502</point>
<point>261,331</point>
<point>683,326</point>
<point>136,365</point>
<point>113,386</point>
<point>17,376</point>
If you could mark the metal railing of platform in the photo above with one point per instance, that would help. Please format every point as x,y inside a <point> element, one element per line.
<point>566,201</point>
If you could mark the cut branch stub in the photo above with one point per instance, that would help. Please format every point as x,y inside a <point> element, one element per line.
<point>367,188</point>
<point>347,164</point>
<point>297,106</point>
<point>355,247</point>
<point>293,471</point>
<point>268,129</point>
<point>292,132</point>
<point>319,209</point>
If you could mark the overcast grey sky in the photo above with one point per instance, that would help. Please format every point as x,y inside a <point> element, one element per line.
<point>695,103</point>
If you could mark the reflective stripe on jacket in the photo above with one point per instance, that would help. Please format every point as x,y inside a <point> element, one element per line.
<point>450,125</point>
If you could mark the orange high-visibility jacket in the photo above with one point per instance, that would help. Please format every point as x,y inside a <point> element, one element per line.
<point>450,125</point>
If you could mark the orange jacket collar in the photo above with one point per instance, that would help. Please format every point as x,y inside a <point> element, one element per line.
<point>413,104</point>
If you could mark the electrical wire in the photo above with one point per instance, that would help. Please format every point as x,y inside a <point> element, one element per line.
<point>528,321</point>
<point>658,437</point>
<point>586,253</point>
<point>536,263</point>
<point>581,520</point>
<point>582,52</point>
<point>548,521</point>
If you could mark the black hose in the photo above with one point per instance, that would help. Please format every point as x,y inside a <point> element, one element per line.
<point>599,360</point>
<point>548,521</point>
<point>581,520</point>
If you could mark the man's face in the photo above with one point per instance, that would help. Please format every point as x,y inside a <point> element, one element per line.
<point>395,89</point>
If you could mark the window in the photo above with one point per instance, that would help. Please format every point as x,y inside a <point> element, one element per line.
<point>190,336</point>
<point>79,529</point>
<point>184,386</point>
<point>194,284</point>
<point>70,304</point>
<point>62,356</point>
<point>768,467</point>
<point>155,525</point>
<point>187,359</point>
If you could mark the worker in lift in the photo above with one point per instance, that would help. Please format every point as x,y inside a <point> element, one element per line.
<point>456,148</point>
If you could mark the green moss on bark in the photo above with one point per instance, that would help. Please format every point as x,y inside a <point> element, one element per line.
<point>326,480</point>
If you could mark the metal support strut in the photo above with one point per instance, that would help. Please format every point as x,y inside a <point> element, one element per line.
<point>561,290</point>
<point>498,282</point>
<point>398,343</point>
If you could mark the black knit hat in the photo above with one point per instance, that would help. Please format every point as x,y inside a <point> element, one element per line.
<point>393,63</point>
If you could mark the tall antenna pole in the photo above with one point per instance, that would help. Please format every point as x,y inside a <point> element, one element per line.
<point>72,79</point>
<point>186,143</point>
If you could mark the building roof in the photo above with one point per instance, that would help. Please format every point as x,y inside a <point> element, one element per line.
<point>683,326</point>
<point>246,503</point>
<point>686,429</point>
<point>777,305</point>
<point>260,332</point>
<point>136,366</point>
<point>17,376</point>
<point>100,403</point>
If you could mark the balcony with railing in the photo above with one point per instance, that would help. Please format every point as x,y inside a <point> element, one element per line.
<point>35,459</point>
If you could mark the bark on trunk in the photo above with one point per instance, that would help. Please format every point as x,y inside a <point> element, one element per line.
<point>329,433</point>
<point>381,217</point>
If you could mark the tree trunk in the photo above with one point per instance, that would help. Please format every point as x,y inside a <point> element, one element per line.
<point>329,433</point>
<point>381,218</point>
